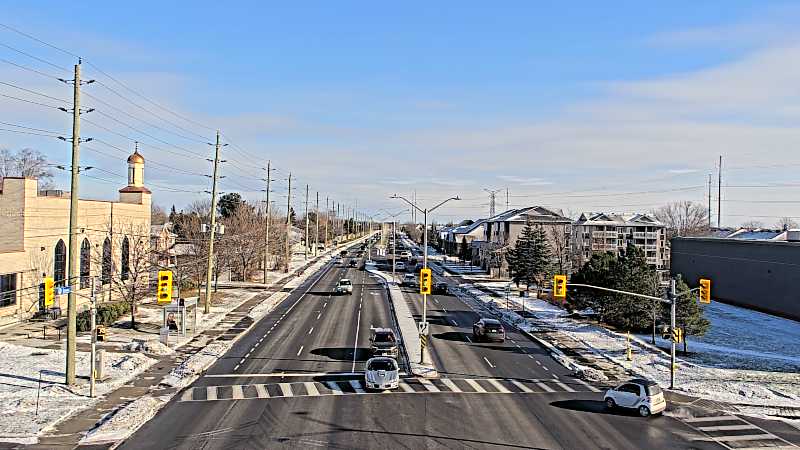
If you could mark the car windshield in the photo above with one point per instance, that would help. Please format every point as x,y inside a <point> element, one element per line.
<point>344,283</point>
<point>384,337</point>
<point>382,364</point>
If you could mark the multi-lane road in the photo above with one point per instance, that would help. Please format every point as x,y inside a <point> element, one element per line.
<point>293,381</point>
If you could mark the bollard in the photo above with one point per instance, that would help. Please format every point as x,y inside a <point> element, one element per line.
<point>100,365</point>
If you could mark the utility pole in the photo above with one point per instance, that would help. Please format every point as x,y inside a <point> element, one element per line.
<point>267,220</point>
<point>306,246</point>
<point>327,219</point>
<point>673,298</point>
<point>507,208</point>
<point>72,328</point>
<point>93,352</point>
<point>288,225</point>
<point>709,201</point>
<point>719,195</point>
<point>316,219</point>
<point>212,230</point>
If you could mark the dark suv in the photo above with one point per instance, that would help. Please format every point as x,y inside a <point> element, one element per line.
<point>383,342</point>
<point>488,330</point>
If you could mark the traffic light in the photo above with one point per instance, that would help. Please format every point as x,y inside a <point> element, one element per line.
<point>164,286</point>
<point>560,286</point>
<point>677,335</point>
<point>705,290</point>
<point>425,281</point>
<point>49,292</point>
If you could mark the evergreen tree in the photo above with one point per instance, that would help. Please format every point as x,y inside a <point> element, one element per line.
<point>597,272</point>
<point>530,260</point>
<point>464,250</point>
<point>631,273</point>
<point>228,203</point>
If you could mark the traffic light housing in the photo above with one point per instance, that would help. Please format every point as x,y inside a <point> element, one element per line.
<point>49,292</point>
<point>164,294</point>
<point>560,286</point>
<point>425,281</point>
<point>705,290</point>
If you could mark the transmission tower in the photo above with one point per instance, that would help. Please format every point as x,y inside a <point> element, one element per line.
<point>492,196</point>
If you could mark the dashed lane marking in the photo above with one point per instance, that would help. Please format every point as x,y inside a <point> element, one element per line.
<point>311,330</point>
<point>489,362</point>
<point>300,351</point>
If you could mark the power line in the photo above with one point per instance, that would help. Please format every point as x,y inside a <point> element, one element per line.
<point>30,128</point>
<point>34,92</point>
<point>29,101</point>
<point>30,69</point>
<point>34,57</point>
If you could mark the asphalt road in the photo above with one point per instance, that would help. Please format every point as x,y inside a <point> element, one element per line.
<point>287,384</point>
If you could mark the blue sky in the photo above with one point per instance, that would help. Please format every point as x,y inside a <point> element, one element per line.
<point>361,100</point>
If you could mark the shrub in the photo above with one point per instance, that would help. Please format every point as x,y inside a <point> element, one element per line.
<point>107,313</point>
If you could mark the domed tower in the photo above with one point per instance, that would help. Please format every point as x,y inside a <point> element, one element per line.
<point>135,192</point>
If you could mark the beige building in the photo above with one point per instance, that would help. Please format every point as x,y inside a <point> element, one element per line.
<point>34,240</point>
<point>608,232</point>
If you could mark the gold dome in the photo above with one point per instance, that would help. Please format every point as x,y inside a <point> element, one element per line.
<point>136,158</point>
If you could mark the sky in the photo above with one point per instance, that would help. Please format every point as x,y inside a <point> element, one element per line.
<point>581,107</point>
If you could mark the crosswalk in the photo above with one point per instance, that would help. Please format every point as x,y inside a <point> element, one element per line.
<point>407,386</point>
<point>734,432</point>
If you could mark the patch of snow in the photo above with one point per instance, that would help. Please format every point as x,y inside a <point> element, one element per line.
<point>152,347</point>
<point>125,421</point>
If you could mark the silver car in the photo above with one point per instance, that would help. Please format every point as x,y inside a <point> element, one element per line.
<point>382,373</point>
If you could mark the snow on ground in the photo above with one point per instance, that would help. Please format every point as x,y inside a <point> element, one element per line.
<point>118,426</point>
<point>737,375</point>
<point>20,369</point>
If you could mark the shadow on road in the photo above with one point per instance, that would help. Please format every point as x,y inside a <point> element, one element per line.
<point>342,353</point>
<point>592,406</point>
<point>454,336</point>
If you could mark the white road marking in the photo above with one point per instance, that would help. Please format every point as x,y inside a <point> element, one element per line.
<point>333,386</point>
<point>544,387</point>
<point>450,385</point>
<point>563,386</point>
<point>236,366</point>
<point>454,322</point>
<point>357,387</point>
<point>467,338</point>
<point>746,437</point>
<point>241,361</point>
<point>319,315</point>
<point>521,386</point>
<point>498,386</point>
<point>256,344</point>
<point>405,387</point>
<point>545,368</point>
<point>187,395</point>
<point>729,428</point>
<point>355,342</point>
<point>428,385</point>
<point>711,419</point>
<point>286,389</point>
<point>311,330</point>
<point>311,388</point>
<point>474,384</point>
<point>537,362</point>
<point>300,351</point>
<point>237,392</point>
<point>261,390</point>
<point>588,386</point>
<point>211,393</point>
<point>488,362</point>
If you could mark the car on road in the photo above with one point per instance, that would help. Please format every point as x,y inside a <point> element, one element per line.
<point>488,330</point>
<point>410,280</point>
<point>405,254</point>
<point>645,396</point>
<point>440,288</point>
<point>337,259</point>
<point>344,286</point>
<point>383,342</point>
<point>382,373</point>
<point>343,253</point>
<point>352,263</point>
<point>400,265</point>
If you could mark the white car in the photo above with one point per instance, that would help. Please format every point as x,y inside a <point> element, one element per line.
<point>400,266</point>
<point>344,286</point>
<point>643,395</point>
<point>382,373</point>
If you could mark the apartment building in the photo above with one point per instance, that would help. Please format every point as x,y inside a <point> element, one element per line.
<point>597,232</point>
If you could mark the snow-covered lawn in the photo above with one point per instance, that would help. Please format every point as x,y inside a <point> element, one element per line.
<point>749,358</point>
<point>20,368</point>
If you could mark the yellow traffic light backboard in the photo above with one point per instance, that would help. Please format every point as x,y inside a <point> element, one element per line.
<point>705,290</point>
<point>425,281</point>
<point>164,294</point>
<point>49,292</point>
<point>560,286</point>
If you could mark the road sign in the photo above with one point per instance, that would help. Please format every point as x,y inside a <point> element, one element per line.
<point>560,286</point>
<point>677,335</point>
<point>49,292</point>
<point>423,328</point>
<point>425,281</point>
<point>61,290</point>
<point>705,290</point>
<point>423,340</point>
<point>164,294</point>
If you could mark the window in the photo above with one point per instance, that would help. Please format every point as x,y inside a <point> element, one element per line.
<point>106,276</point>
<point>86,263</point>
<point>8,289</point>
<point>125,259</point>
<point>60,263</point>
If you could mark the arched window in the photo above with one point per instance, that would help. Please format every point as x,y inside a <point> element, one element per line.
<point>125,259</point>
<point>86,263</point>
<point>106,277</point>
<point>60,263</point>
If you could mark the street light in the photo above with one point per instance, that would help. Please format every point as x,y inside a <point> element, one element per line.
<point>424,257</point>
<point>394,237</point>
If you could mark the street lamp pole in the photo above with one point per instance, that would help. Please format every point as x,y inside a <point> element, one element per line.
<point>424,259</point>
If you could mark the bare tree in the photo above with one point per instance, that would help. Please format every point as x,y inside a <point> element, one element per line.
<point>27,163</point>
<point>785,223</point>
<point>683,218</point>
<point>559,245</point>
<point>243,243</point>
<point>752,224</point>
<point>157,215</point>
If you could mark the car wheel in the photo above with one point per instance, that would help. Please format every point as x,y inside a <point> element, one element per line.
<point>644,411</point>
<point>610,404</point>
